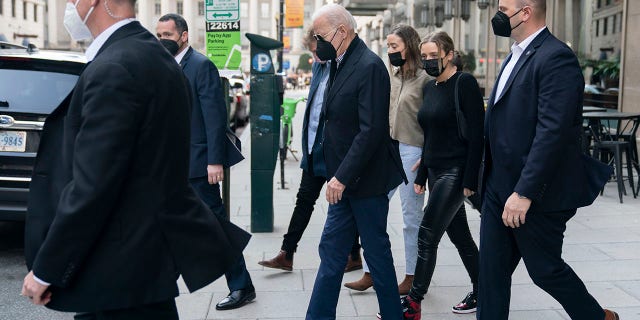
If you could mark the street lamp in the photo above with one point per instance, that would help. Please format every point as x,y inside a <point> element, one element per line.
<point>435,12</point>
<point>483,4</point>
<point>465,10</point>
<point>448,9</point>
<point>432,13</point>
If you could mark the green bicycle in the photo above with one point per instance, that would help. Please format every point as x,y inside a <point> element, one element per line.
<point>288,112</point>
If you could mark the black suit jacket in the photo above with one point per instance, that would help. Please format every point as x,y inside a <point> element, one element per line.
<point>112,221</point>
<point>533,132</point>
<point>358,149</point>
<point>209,129</point>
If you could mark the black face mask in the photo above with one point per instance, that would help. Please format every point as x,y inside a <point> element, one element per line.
<point>431,66</point>
<point>325,50</point>
<point>396,59</point>
<point>501,24</point>
<point>171,46</point>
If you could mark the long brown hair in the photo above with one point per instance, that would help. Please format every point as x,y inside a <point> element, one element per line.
<point>411,40</point>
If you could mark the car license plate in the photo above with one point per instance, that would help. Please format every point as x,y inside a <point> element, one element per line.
<point>13,141</point>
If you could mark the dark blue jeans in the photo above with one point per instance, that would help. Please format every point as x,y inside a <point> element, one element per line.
<point>369,217</point>
<point>237,277</point>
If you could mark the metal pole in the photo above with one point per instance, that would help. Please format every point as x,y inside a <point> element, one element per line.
<point>227,173</point>
<point>280,35</point>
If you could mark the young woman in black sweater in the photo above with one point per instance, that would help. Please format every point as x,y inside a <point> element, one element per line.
<point>449,167</point>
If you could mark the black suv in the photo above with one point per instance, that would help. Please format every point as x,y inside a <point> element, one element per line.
<point>32,84</point>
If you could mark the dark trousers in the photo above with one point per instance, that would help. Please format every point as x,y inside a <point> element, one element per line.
<point>157,311</point>
<point>237,277</point>
<point>539,243</point>
<point>308,193</point>
<point>369,217</point>
<point>444,212</point>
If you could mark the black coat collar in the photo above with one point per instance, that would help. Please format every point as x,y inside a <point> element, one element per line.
<point>125,31</point>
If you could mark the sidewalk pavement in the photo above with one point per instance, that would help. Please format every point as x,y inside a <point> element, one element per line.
<point>602,244</point>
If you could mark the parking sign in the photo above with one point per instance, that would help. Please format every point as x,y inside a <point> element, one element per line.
<point>223,33</point>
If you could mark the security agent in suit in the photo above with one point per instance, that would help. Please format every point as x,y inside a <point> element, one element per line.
<point>208,141</point>
<point>112,221</point>
<point>314,170</point>
<point>363,164</point>
<point>534,176</point>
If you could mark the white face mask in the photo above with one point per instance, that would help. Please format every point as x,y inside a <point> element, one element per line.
<point>74,24</point>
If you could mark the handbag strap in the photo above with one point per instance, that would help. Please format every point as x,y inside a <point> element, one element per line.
<point>457,103</point>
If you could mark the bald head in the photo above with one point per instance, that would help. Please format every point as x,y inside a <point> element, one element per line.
<point>335,15</point>
<point>536,4</point>
<point>525,16</point>
<point>333,24</point>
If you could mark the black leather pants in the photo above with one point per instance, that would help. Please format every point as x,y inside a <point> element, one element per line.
<point>444,212</point>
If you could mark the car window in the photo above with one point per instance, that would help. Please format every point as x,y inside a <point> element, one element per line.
<point>32,91</point>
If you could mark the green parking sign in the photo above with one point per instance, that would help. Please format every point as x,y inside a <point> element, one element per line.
<point>223,44</point>
<point>223,33</point>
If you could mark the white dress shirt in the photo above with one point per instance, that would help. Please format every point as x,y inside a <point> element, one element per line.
<point>181,54</point>
<point>516,52</point>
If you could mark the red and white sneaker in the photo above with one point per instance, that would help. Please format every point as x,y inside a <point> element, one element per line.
<point>410,309</point>
<point>467,305</point>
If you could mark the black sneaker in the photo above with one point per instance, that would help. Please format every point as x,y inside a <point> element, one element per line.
<point>467,305</point>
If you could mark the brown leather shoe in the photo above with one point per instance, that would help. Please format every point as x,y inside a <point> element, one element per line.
<point>361,285</point>
<point>279,262</point>
<point>610,315</point>
<point>405,285</point>
<point>353,264</point>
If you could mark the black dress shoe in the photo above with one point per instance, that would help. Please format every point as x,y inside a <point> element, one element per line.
<point>236,299</point>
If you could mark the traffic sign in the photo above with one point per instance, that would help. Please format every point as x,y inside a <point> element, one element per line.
<point>222,10</point>
<point>223,33</point>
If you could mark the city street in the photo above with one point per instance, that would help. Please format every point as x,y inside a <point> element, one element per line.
<point>602,244</point>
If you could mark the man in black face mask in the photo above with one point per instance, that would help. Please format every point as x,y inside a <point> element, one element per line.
<point>534,170</point>
<point>362,163</point>
<point>209,150</point>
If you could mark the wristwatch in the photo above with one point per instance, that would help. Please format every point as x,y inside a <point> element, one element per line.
<point>521,196</point>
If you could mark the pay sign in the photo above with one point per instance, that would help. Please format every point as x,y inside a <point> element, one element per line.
<point>223,33</point>
<point>261,62</point>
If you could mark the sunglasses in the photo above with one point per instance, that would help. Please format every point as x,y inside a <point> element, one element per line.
<point>319,37</point>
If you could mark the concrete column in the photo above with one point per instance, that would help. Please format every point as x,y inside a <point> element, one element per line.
<point>189,8</point>
<point>630,77</point>
<point>254,15</point>
<point>275,12</point>
<point>53,24</point>
<point>167,6</point>
<point>144,14</point>
<point>491,73</point>
<point>569,20</point>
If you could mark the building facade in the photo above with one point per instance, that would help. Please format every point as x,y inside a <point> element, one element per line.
<point>606,29</point>
<point>21,21</point>
<point>595,29</point>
